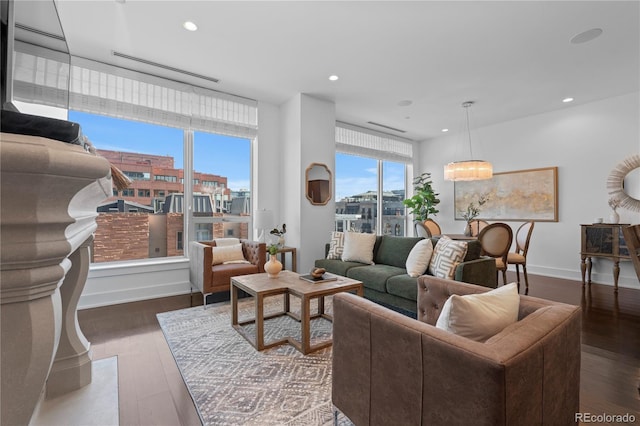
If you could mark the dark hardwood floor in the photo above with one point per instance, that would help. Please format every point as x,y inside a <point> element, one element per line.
<point>151,390</point>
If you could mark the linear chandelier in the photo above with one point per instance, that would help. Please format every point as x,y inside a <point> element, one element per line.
<point>468,169</point>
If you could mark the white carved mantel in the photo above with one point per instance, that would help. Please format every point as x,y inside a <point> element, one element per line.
<point>49,194</point>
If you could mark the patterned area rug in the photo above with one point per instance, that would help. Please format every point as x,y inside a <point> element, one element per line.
<point>233,384</point>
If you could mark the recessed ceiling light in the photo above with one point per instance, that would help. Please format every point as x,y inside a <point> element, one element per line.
<point>586,36</point>
<point>445,130</point>
<point>333,77</point>
<point>405,103</point>
<point>567,100</point>
<point>190,26</point>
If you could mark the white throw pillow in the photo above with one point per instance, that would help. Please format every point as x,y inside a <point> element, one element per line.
<point>221,242</point>
<point>336,245</point>
<point>480,316</point>
<point>447,254</point>
<point>227,253</point>
<point>358,247</point>
<point>419,258</point>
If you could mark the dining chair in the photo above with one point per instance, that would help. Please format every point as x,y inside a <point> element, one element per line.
<point>519,256</point>
<point>475,226</point>
<point>495,240</point>
<point>632,238</point>
<point>433,227</point>
<point>422,230</point>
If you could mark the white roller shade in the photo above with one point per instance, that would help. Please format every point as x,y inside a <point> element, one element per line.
<point>44,76</point>
<point>351,139</point>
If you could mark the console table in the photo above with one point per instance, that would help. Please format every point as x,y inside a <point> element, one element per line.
<point>603,240</point>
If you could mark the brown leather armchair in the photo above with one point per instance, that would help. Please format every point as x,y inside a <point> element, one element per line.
<point>210,278</point>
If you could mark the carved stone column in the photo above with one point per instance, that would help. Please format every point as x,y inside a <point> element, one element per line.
<point>42,221</point>
<point>71,368</point>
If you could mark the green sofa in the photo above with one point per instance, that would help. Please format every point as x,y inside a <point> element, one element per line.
<point>386,281</point>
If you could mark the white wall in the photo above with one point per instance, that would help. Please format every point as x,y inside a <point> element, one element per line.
<point>308,136</point>
<point>586,142</point>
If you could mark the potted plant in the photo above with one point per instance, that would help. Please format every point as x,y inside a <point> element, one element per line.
<point>425,199</point>
<point>273,266</point>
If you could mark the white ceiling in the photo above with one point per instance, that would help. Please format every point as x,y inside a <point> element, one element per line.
<point>513,58</point>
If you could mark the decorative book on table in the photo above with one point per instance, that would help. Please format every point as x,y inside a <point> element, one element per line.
<point>322,279</point>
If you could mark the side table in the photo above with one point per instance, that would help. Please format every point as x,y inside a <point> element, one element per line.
<point>294,257</point>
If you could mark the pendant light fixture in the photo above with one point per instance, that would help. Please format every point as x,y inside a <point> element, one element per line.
<point>469,169</point>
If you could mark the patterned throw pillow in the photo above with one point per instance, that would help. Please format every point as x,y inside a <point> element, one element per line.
<point>447,254</point>
<point>336,246</point>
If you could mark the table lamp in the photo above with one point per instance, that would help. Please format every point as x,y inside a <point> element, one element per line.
<point>263,219</point>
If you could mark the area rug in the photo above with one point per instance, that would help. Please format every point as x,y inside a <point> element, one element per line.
<point>231,383</point>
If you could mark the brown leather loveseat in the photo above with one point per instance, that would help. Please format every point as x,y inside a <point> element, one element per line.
<point>209,278</point>
<point>389,369</point>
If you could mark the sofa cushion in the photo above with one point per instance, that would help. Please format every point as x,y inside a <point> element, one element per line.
<point>480,316</point>
<point>358,247</point>
<point>375,276</point>
<point>395,250</point>
<point>419,258</point>
<point>336,245</point>
<point>447,254</point>
<point>229,253</point>
<point>473,250</point>
<point>403,286</point>
<point>337,267</point>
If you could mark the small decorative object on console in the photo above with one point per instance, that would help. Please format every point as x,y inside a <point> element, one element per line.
<point>318,272</point>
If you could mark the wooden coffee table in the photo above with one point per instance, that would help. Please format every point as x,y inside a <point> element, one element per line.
<point>287,283</point>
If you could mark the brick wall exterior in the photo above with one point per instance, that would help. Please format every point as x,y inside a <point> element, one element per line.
<point>121,236</point>
<point>175,224</point>
<point>125,236</point>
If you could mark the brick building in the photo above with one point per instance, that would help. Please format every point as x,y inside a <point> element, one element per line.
<point>146,220</point>
<point>155,176</point>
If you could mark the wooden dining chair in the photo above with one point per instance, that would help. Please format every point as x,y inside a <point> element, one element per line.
<point>519,256</point>
<point>632,238</point>
<point>495,240</point>
<point>475,226</point>
<point>433,227</point>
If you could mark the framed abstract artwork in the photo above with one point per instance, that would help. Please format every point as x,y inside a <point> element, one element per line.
<point>520,195</point>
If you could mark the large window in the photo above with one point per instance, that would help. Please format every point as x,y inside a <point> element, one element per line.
<point>360,196</point>
<point>356,193</point>
<point>222,166</point>
<point>370,184</point>
<point>133,224</point>
<point>393,192</point>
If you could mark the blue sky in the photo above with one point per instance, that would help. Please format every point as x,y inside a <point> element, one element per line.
<point>223,155</point>
<point>216,154</point>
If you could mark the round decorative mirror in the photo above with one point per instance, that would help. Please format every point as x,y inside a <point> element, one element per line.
<point>318,184</point>
<point>624,181</point>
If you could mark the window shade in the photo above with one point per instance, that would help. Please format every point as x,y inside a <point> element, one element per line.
<point>99,88</point>
<point>351,139</point>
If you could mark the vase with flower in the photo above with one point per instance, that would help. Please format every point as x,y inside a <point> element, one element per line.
<point>472,212</point>
<point>273,266</point>
<point>280,234</point>
<point>614,217</point>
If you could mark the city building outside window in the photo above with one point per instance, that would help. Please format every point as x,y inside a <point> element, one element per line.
<point>148,222</point>
<point>360,197</point>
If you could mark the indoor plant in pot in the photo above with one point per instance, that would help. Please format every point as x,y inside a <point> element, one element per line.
<point>424,200</point>
<point>273,266</point>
